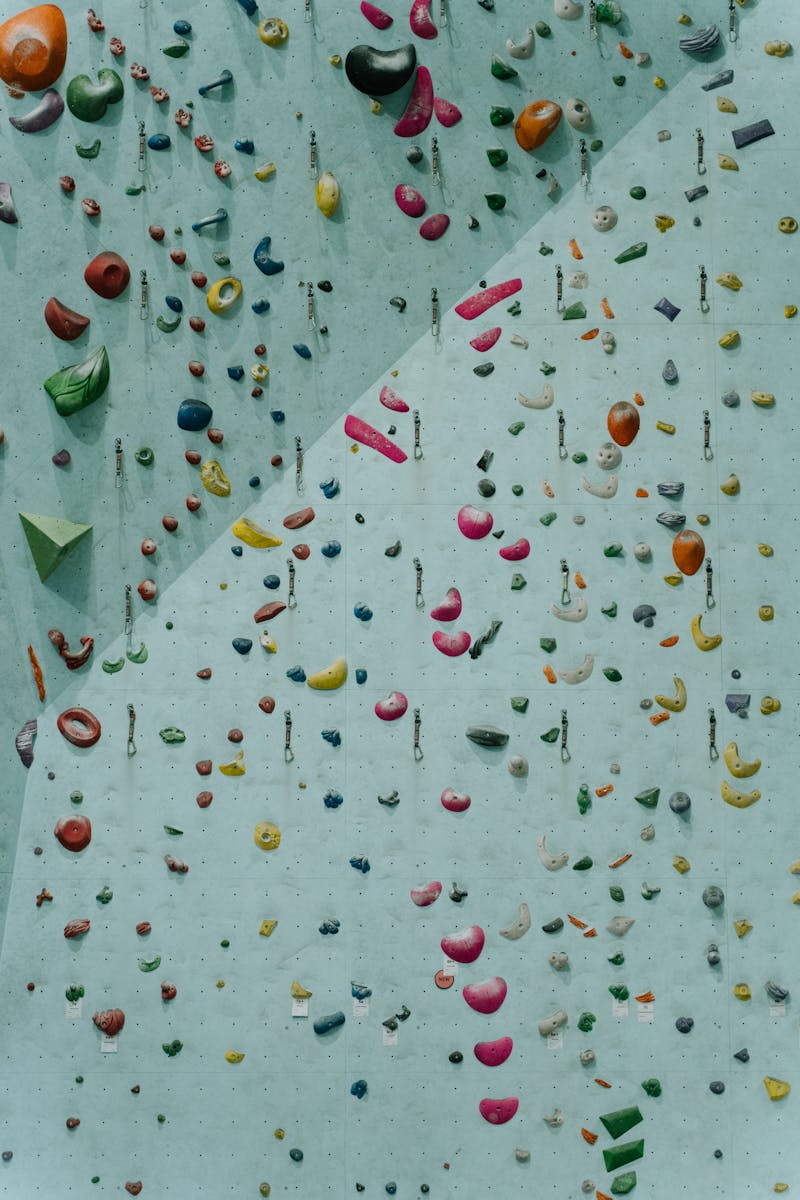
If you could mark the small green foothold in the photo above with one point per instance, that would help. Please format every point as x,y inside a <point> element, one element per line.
<point>585,1022</point>
<point>574,312</point>
<point>501,69</point>
<point>150,964</point>
<point>613,550</point>
<point>544,249</point>
<point>649,892</point>
<point>89,151</point>
<point>176,49</point>
<point>496,201</point>
<point>548,644</point>
<point>75,992</point>
<point>172,735</point>
<point>130,190</point>
<point>500,115</point>
<point>619,80</point>
<point>547,518</point>
<point>520,703</point>
<point>637,250</point>
<point>616,893</point>
<point>596,145</point>
<point>617,959</point>
<point>161,1118</point>
<point>637,192</point>
<point>497,156</point>
<point>221,258</point>
<point>172,1048</point>
<point>167,325</point>
<point>610,610</point>
<point>583,864</point>
<point>579,457</point>
<point>173,830</point>
<point>105,895</point>
<point>542,29</point>
<point>95,1179</point>
<point>168,625</point>
<point>620,992</point>
<point>584,799</point>
<point>79,1079</point>
<point>225,943</point>
<point>649,797</point>
<point>547,368</point>
<point>178,230</point>
<point>517,489</point>
<point>144,456</point>
<point>620,1156</point>
<point>622,1184</point>
<point>110,667</point>
<point>76,797</point>
<point>652,1087</point>
<point>551,735</point>
<point>515,309</point>
<point>612,674</point>
<point>516,427</point>
<point>518,582</point>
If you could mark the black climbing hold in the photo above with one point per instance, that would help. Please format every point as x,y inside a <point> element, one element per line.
<point>380,72</point>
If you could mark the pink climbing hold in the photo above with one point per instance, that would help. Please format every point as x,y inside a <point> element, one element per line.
<point>390,399</point>
<point>420,20</point>
<point>447,113</point>
<point>473,523</point>
<point>493,1054</point>
<point>521,549</point>
<point>392,707</point>
<point>361,431</point>
<point>419,110</point>
<point>465,946</point>
<point>426,895</point>
<point>452,644</point>
<point>376,16</point>
<point>497,1112</point>
<point>409,200</point>
<point>475,305</point>
<point>450,607</point>
<point>434,226</point>
<point>485,341</point>
<point>455,801</point>
<point>485,997</point>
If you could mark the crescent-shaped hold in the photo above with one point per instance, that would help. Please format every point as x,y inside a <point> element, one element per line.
<point>498,1112</point>
<point>420,20</point>
<point>455,801</point>
<point>676,703</point>
<point>45,114</point>
<point>380,72</point>
<point>487,996</point>
<point>515,553</point>
<point>604,490</point>
<point>473,523</point>
<point>704,641</point>
<point>419,110</point>
<point>450,607</point>
<point>578,613</point>
<point>362,431</point>
<point>394,706</point>
<point>736,798</point>
<point>425,895</point>
<point>390,399</point>
<point>484,341</point>
<point>550,1024</point>
<point>551,862</point>
<point>579,674</point>
<point>477,305</point>
<point>543,400</point>
<point>376,16</point>
<point>466,945</point>
<point>493,1054</point>
<point>452,644</point>
<point>736,765</point>
<point>519,927</point>
<point>329,678</point>
<point>523,49</point>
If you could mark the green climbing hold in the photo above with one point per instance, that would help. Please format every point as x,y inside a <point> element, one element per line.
<point>649,797</point>
<point>150,964</point>
<point>518,582</point>
<point>500,115</point>
<point>547,369</point>
<point>88,101</point>
<point>616,893</point>
<point>138,656</point>
<point>515,309</point>
<point>105,895</point>
<point>548,644</point>
<point>612,674</point>
<point>551,735</point>
<point>574,312</point>
<point>622,1184</point>
<point>596,145</point>
<point>613,550</point>
<point>585,1022</point>
<point>172,1048</point>
<point>617,959</point>
<point>619,80</point>
<point>620,1156</point>
<point>637,192</point>
<point>50,540</point>
<point>173,830</point>
<point>89,151</point>
<point>652,1087</point>
<point>544,249</point>
<point>496,201</point>
<point>579,457</point>
<point>221,258</point>
<point>76,387</point>
<point>584,799</point>
<point>172,735</point>
<point>75,992</point>
<point>583,864</point>
<point>176,49</point>
<point>520,703</point>
<point>610,610</point>
<point>637,250</point>
<point>547,518</point>
<point>130,190</point>
<point>516,427</point>
<point>501,69</point>
<point>145,456</point>
<point>542,29</point>
<point>517,489</point>
<point>620,992</point>
<point>621,1120</point>
<point>609,11</point>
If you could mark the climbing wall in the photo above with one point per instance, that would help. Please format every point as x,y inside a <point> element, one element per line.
<point>419,851</point>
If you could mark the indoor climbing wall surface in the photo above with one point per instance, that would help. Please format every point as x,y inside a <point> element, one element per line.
<point>505,906</point>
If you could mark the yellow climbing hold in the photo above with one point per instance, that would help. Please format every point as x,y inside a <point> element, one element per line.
<point>235,766</point>
<point>673,580</point>
<point>267,837</point>
<point>268,927</point>
<point>299,992</point>
<point>766,612</point>
<point>703,519</point>
<point>684,19</point>
<point>265,170</point>
<point>769,705</point>
<point>375,107</point>
<point>778,49</point>
<point>763,399</point>
<point>737,799</point>
<point>259,372</point>
<point>781,1187</point>
<point>268,642</point>
<point>742,928</point>
<point>214,479</point>
<point>776,1088</point>
<point>335,60</point>
<point>329,678</point>
<point>223,294</point>
<point>737,766</point>
<point>789,311</point>
<point>233,1056</point>
<point>665,427</point>
<point>726,105</point>
<point>787,225</point>
<point>676,703</point>
<point>681,864</point>
<point>727,163</point>
<point>731,485</point>
<point>704,641</point>
<point>796,898</point>
<point>729,339</point>
<point>251,534</point>
<point>659,82</point>
<point>729,280</point>
<point>220,983</point>
<point>742,992</point>
<point>794,869</point>
<point>327,194</point>
<point>765,549</point>
<point>664,222</point>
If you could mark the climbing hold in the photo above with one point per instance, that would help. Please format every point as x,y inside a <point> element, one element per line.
<point>223,294</point>
<point>776,1088</point>
<point>487,735</point>
<point>498,1112</point>
<point>64,322</point>
<point>392,707</point>
<point>88,101</point>
<point>214,479</point>
<point>380,72</point>
<point>536,122</point>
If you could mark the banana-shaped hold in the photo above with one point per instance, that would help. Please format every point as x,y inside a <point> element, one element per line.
<point>676,703</point>
<point>738,799</point>
<point>327,194</point>
<point>704,641</point>
<point>604,490</point>
<point>544,400</point>
<point>736,765</point>
<point>579,674</point>
<point>551,862</point>
<point>329,677</point>
<point>518,927</point>
<point>578,613</point>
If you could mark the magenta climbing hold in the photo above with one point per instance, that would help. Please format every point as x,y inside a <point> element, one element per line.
<point>420,20</point>
<point>450,608</point>
<point>447,113</point>
<point>425,895</point>
<point>452,644</point>
<point>484,341</point>
<point>493,1054</point>
<point>497,1112</point>
<point>390,399</point>
<point>520,549</point>
<point>455,801</point>
<point>475,305</point>
<point>487,996</point>
<point>473,523</point>
<point>433,227</point>
<point>376,16</point>
<point>362,431</point>
<point>419,110</point>
<point>466,945</point>
<point>392,707</point>
<point>409,200</point>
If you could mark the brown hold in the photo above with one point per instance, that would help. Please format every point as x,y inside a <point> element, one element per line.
<point>178,257</point>
<point>168,991</point>
<point>175,864</point>
<point>268,611</point>
<point>134,1188</point>
<point>193,502</point>
<point>193,457</point>
<point>170,523</point>
<point>64,322</point>
<point>43,895</point>
<point>623,422</point>
<point>199,279</point>
<point>216,436</point>
<point>143,928</point>
<point>79,726</point>
<point>136,1089</point>
<point>108,274</point>
<point>204,673</point>
<point>688,551</point>
<point>77,928</point>
<point>73,1122</point>
<point>235,735</point>
<point>204,767</point>
<point>157,232</point>
<point>298,519</point>
<point>73,832</point>
<point>204,799</point>
<point>536,122</point>
<point>301,551</point>
<point>73,661</point>
<point>197,324</point>
<point>110,1021</point>
<point>267,704</point>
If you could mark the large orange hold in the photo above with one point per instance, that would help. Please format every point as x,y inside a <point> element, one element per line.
<point>688,551</point>
<point>623,422</point>
<point>536,122</point>
<point>33,48</point>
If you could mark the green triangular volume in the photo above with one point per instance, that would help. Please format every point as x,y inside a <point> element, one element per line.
<point>50,540</point>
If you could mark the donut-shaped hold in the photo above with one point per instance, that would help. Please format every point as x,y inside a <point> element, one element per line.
<point>79,726</point>
<point>223,294</point>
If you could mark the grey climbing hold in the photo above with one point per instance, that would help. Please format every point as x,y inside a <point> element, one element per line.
<point>644,614</point>
<point>775,992</point>
<point>680,803</point>
<point>751,133</point>
<point>647,833</point>
<point>713,957</point>
<point>486,488</point>
<point>393,550</point>
<point>487,735</point>
<point>672,520</point>
<point>700,42</point>
<point>670,372</point>
<point>553,926</point>
<point>713,896</point>
<point>696,192</point>
<point>667,308</point>
<point>483,369</point>
<point>718,80</point>
<point>737,703</point>
<point>731,399</point>
<point>414,154</point>
<point>717,1087</point>
<point>743,1055</point>
<point>642,552</point>
<point>684,1024</point>
<point>670,489</point>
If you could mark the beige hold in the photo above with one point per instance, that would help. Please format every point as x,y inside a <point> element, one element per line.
<point>726,105</point>
<point>731,485</point>
<point>730,280</point>
<point>763,399</point>
<point>726,163</point>
<point>778,49</point>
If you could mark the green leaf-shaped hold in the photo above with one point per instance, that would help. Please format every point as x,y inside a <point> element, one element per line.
<point>76,387</point>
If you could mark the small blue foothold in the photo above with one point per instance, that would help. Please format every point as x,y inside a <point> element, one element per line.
<point>236,373</point>
<point>361,675</point>
<point>159,141</point>
<point>296,1155</point>
<point>329,488</point>
<point>254,481</point>
<point>242,645</point>
<point>272,582</point>
<point>359,1089</point>
<point>261,305</point>
<point>297,674</point>
<point>237,550</point>
<point>360,991</point>
<point>360,862</point>
<point>391,1189</point>
<point>278,416</point>
<point>174,302</point>
<point>333,799</point>
<point>182,28</point>
<point>301,348</point>
<point>363,612</point>
<point>244,145</point>
<point>325,1024</point>
<point>331,549</point>
<point>333,736</point>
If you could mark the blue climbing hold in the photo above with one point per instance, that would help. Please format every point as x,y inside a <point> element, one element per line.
<point>278,416</point>
<point>333,736</point>
<point>333,799</point>
<point>297,674</point>
<point>182,28</point>
<point>242,645</point>
<point>261,305</point>
<point>330,925</point>
<point>254,481</point>
<point>363,612</point>
<point>194,415</point>
<point>249,6</point>
<point>359,1089</point>
<point>244,145</point>
<point>265,264</point>
<point>301,348</point>
<point>324,1025</point>
<point>236,373</point>
<point>330,488</point>
<point>361,675</point>
<point>360,991</point>
<point>174,302</point>
<point>159,141</point>
<point>272,582</point>
<point>237,550</point>
<point>331,549</point>
<point>360,862</point>
<point>296,1155</point>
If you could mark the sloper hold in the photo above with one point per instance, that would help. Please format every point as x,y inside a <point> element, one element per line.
<point>51,540</point>
<point>380,72</point>
<point>619,1156</point>
<point>621,1120</point>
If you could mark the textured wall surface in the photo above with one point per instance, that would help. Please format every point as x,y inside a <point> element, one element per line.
<point>198,1124</point>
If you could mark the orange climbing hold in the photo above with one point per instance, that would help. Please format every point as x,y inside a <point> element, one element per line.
<point>646,998</point>
<point>602,1083</point>
<point>659,717</point>
<point>604,790</point>
<point>591,932</point>
<point>588,1136</point>
<point>580,582</point>
<point>608,311</point>
<point>619,861</point>
<point>688,551</point>
<point>670,641</point>
<point>547,489</point>
<point>590,335</point>
<point>624,50</point>
<point>642,493</point>
<point>623,422</point>
<point>33,48</point>
<point>575,249</point>
<point>577,922</point>
<point>37,672</point>
<point>602,1196</point>
<point>536,122</point>
<point>549,673</point>
<point>638,398</point>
